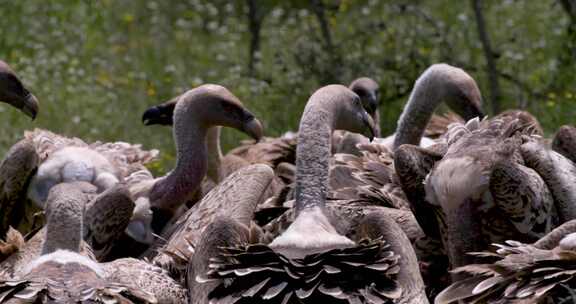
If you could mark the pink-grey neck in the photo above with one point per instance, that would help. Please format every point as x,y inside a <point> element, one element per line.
<point>423,100</point>
<point>313,156</point>
<point>174,189</point>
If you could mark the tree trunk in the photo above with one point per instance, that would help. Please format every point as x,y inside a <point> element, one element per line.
<point>331,75</point>
<point>570,9</point>
<point>319,11</point>
<point>569,51</point>
<point>255,18</point>
<point>489,55</point>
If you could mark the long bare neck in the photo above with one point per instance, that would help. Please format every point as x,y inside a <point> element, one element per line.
<point>423,100</point>
<point>64,228</point>
<point>214,153</point>
<point>313,157</point>
<point>377,123</point>
<point>171,191</point>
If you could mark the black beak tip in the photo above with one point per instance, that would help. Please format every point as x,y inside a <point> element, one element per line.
<point>481,115</point>
<point>149,114</point>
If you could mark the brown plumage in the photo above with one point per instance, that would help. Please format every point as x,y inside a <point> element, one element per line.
<point>61,274</point>
<point>312,261</point>
<point>412,164</point>
<point>369,178</point>
<point>13,92</point>
<point>526,120</point>
<point>147,278</point>
<point>13,242</point>
<point>236,198</point>
<point>558,172</point>
<point>564,142</point>
<point>485,191</point>
<point>107,216</point>
<point>438,124</point>
<point>16,171</point>
<point>14,264</point>
<point>125,157</point>
<point>522,273</point>
<point>43,159</point>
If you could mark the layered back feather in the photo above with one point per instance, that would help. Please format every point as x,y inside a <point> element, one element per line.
<point>369,178</point>
<point>317,278</point>
<point>522,272</point>
<point>126,157</point>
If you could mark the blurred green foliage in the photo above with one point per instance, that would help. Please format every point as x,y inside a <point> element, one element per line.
<point>96,65</point>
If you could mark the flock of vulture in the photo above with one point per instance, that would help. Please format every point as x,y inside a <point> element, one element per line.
<point>458,208</point>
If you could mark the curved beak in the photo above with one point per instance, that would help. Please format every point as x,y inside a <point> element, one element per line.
<point>473,111</point>
<point>369,126</point>
<point>155,116</point>
<point>371,104</point>
<point>30,106</point>
<point>253,128</point>
<point>139,231</point>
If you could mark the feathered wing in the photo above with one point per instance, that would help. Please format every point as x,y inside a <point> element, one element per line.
<point>126,157</point>
<point>558,172</point>
<point>221,232</point>
<point>144,276</point>
<point>460,183</point>
<point>552,239</point>
<point>105,219</point>
<point>369,178</point>
<point>382,268</point>
<point>523,195</point>
<point>564,142</point>
<point>527,122</point>
<point>236,197</point>
<point>12,243</point>
<point>30,250</point>
<point>270,151</point>
<point>46,142</point>
<point>379,224</point>
<point>257,274</point>
<point>412,165</point>
<point>16,171</point>
<point>522,272</point>
<point>438,124</point>
<point>53,282</point>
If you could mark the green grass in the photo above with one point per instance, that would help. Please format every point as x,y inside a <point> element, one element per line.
<point>97,65</point>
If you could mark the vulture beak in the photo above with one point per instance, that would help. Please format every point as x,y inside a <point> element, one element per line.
<point>253,128</point>
<point>370,127</point>
<point>156,116</point>
<point>30,106</point>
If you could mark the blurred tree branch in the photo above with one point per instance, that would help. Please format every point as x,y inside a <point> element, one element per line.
<point>489,55</point>
<point>331,75</point>
<point>570,9</point>
<point>255,19</point>
<point>319,10</point>
<point>567,56</point>
<point>440,30</point>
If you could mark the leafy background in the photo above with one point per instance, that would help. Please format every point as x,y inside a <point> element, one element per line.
<point>97,65</point>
